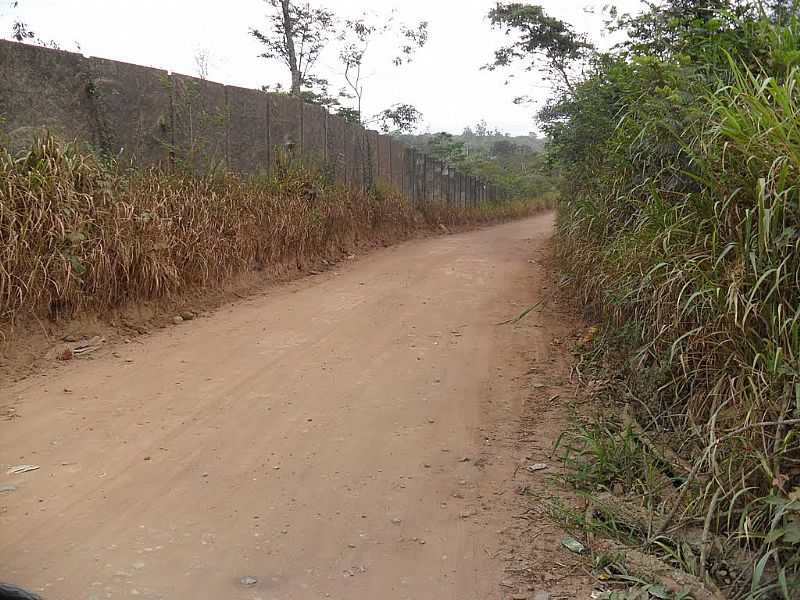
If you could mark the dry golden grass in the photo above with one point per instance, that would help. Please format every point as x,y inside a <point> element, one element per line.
<point>82,237</point>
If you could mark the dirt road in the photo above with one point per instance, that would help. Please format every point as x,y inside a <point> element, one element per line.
<point>335,437</point>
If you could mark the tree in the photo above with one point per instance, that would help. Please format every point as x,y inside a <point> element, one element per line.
<point>20,31</point>
<point>296,35</point>
<point>690,27</point>
<point>400,118</point>
<point>443,146</point>
<point>356,36</point>
<point>539,37</point>
<point>505,148</point>
<point>349,114</point>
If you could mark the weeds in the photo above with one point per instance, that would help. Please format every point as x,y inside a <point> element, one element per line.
<point>83,234</point>
<point>682,226</point>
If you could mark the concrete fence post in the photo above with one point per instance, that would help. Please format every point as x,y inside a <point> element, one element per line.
<point>325,139</point>
<point>300,133</point>
<point>437,177</point>
<point>425,190</point>
<point>268,117</point>
<point>391,182</point>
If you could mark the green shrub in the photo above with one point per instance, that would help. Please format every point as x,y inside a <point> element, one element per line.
<point>682,215</point>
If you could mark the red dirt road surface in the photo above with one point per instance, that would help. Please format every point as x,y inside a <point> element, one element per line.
<point>328,438</point>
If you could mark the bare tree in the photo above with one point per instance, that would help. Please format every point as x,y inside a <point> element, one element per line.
<point>21,31</point>
<point>356,36</point>
<point>202,62</point>
<point>296,35</point>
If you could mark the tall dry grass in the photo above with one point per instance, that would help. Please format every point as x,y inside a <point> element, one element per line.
<point>83,236</point>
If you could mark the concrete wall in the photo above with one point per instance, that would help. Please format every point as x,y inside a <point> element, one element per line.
<point>149,116</point>
<point>248,131</point>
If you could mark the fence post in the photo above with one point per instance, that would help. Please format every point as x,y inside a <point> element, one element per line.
<point>391,170</point>
<point>325,139</point>
<point>446,175</point>
<point>268,140</point>
<point>439,181</point>
<point>434,181</point>
<point>412,175</point>
<point>425,178</point>
<point>301,136</point>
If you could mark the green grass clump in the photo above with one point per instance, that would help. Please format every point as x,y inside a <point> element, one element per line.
<point>682,217</point>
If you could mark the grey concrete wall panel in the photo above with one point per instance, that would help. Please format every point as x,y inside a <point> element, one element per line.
<point>248,131</point>
<point>355,153</point>
<point>42,88</point>
<point>371,165</point>
<point>398,151</point>
<point>419,178</point>
<point>284,122</point>
<point>451,195</point>
<point>133,110</point>
<point>336,148</point>
<point>430,181</point>
<point>200,119</point>
<point>384,159</point>
<point>435,192</point>
<point>349,132</point>
<point>360,158</point>
<point>408,174</point>
<point>443,182</point>
<point>313,145</point>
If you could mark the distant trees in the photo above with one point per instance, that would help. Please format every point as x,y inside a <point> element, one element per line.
<point>514,164</point>
<point>481,130</point>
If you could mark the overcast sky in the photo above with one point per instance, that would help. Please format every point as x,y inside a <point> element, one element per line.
<point>445,80</point>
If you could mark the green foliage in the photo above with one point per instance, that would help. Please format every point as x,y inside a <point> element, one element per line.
<point>351,115</point>
<point>513,164</point>
<point>399,118</point>
<point>296,34</point>
<point>538,38</point>
<point>680,159</point>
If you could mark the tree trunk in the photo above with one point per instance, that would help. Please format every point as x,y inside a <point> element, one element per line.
<point>288,31</point>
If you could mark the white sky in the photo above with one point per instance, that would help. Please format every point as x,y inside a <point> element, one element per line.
<point>444,81</point>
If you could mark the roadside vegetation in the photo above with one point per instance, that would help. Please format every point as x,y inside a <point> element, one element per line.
<point>515,165</point>
<point>82,234</point>
<point>678,231</point>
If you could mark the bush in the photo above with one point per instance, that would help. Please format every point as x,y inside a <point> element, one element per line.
<point>682,216</point>
<point>81,235</point>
